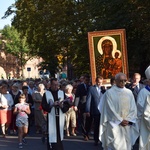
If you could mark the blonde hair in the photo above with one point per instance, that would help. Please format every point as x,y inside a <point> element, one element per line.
<point>68,86</point>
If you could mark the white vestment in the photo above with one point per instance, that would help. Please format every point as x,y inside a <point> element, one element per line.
<point>52,118</point>
<point>118,105</point>
<point>143,105</point>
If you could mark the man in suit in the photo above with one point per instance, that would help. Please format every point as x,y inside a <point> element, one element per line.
<point>80,101</point>
<point>92,100</point>
<point>135,86</point>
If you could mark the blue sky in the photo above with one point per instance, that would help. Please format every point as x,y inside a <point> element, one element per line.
<point>4,4</point>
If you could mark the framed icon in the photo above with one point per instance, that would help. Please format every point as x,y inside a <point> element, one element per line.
<point>108,53</point>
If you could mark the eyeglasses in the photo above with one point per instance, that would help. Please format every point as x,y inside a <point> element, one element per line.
<point>122,81</point>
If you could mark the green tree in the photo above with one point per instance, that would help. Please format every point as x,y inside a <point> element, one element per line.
<point>132,15</point>
<point>16,45</point>
<point>50,25</point>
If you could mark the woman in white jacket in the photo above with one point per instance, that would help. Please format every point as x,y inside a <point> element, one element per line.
<point>6,103</point>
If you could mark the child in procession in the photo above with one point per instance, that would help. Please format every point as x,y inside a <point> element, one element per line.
<point>22,110</point>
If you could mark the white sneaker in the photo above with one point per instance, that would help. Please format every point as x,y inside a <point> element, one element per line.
<point>73,134</point>
<point>20,146</point>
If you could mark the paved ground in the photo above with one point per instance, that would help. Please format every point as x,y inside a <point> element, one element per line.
<point>35,143</point>
<point>11,143</point>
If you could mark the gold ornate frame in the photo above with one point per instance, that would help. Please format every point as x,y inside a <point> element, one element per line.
<point>118,40</point>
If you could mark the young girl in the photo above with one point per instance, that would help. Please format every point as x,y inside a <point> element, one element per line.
<point>22,110</point>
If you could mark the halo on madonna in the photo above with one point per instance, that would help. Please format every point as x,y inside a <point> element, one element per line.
<point>99,44</point>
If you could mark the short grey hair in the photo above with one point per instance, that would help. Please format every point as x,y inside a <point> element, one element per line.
<point>41,86</point>
<point>136,74</point>
<point>68,86</point>
<point>118,75</point>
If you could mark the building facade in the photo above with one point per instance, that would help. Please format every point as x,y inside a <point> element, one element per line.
<point>10,67</point>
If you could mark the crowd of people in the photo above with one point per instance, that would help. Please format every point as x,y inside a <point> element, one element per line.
<point>118,115</point>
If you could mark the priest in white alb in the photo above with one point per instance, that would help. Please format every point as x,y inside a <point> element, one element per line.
<point>143,105</point>
<point>118,126</point>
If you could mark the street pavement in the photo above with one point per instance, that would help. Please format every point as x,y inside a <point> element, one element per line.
<point>11,143</point>
<point>35,143</point>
